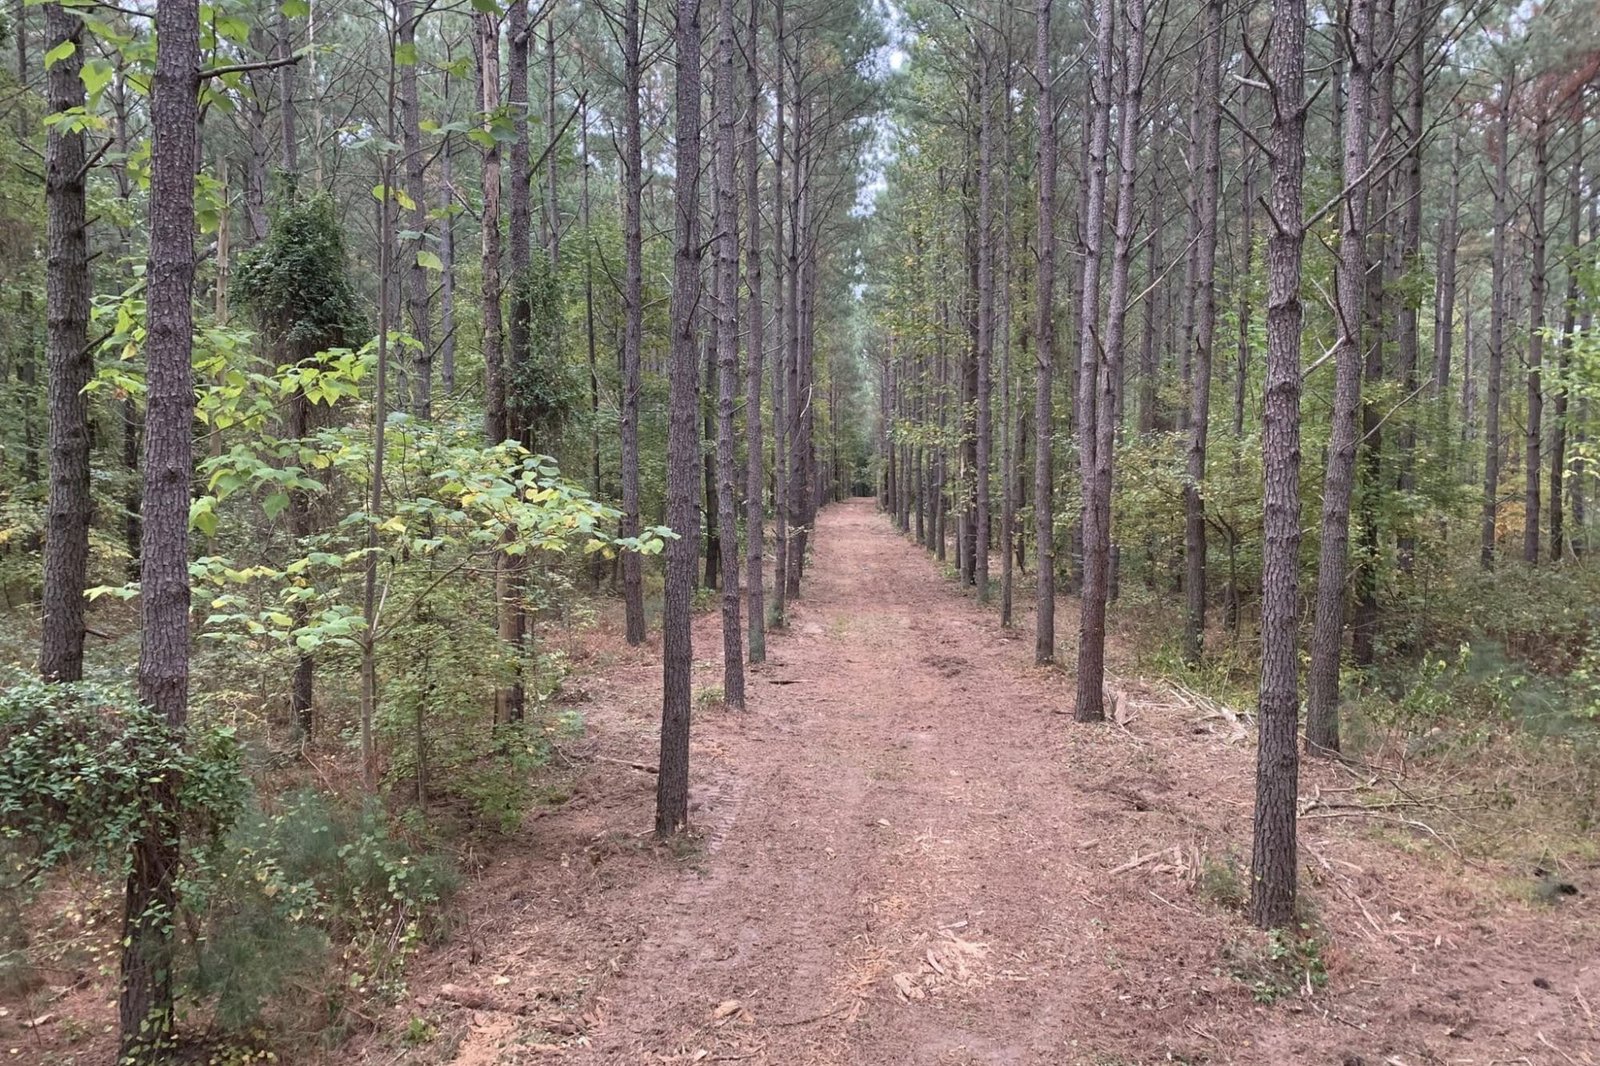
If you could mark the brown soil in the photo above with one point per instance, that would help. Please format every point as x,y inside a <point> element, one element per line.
<point>908,853</point>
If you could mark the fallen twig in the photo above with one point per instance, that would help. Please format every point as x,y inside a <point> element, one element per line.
<point>1140,861</point>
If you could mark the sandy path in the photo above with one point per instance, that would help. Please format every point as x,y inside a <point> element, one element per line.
<point>910,856</point>
<point>869,826</point>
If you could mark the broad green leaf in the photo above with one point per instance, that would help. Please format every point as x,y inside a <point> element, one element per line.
<point>64,50</point>
<point>96,75</point>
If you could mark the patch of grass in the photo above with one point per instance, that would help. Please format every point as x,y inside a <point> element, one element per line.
<point>710,696</point>
<point>1279,963</point>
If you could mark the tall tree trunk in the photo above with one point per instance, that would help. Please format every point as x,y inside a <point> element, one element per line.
<point>683,437</point>
<point>552,160</point>
<point>1149,370</point>
<point>512,578</point>
<point>795,456</point>
<point>708,414</point>
<point>447,278</point>
<point>1275,855</point>
<point>985,398</point>
<point>780,366</point>
<point>1322,691</point>
<point>633,312</point>
<point>287,106</point>
<point>1099,365</point>
<point>1577,482</point>
<point>727,238</point>
<point>1445,307</point>
<point>1533,469</point>
<point>591,341</point>
<point>145,1005</point>
<point>418,281</point>
<point>1044,645</point>
<point>1191,247</point>
<point>941,514</point>
<point>1410,256</point>
<point>1497,323</point>
<point>520,231</point>
<point>1380,270</point>
<point>487,45</point>
<point>70,358</point>
<point>755,350</point>
<point>1002,325</point>
<point>1207,176</point>
<point>1558,399</point>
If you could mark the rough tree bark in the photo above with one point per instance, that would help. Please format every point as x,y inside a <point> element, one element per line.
<point>1497,321</point>
<point>1558,399</point>
<point>985,412</point>
<point>486,43</point>
<point>1409,257</point>
<point>417,278</point>
<point>727,238</point>
<point>447,278</point>
<point>511,579</point>
<point>780,373</point>
<point>1444,314</point>
<point>69,358</point>
<point>1322,695</point>
<point>145,1006</point>
<point>755,350</point>
<point>1207,174</point>
<point>1044,645</point>
<point>683,436</point>
<point>633,312</point>
<point>1538,238</point>
<point>1091,639</point>
<point>1274,856</point>
<point>1380,242</point>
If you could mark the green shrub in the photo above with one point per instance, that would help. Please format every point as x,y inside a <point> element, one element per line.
<point>309,896</point>
<point>79,766</point>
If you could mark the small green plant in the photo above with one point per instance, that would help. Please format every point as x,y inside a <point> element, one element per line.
<point>419,1031</point>
<point>309,894</point>
<point>1221,882</point>
<point>1280,964</point>
<point>710,696</point>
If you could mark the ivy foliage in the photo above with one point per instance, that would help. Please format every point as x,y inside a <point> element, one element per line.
<point>546,389</point>
<point>81,767</point>
<point>296,283</point>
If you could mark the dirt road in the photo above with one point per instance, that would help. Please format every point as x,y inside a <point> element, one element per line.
<point>910,854</point>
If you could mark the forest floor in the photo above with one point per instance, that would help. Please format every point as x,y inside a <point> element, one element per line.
<point>908,853</point>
